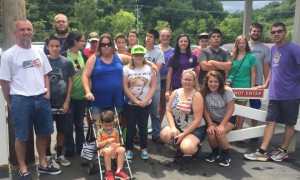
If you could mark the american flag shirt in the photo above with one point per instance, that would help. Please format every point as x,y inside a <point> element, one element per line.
<point>182,111</point>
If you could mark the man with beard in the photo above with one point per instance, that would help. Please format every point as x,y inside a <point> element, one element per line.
<point>61,29</point>
<point>26,88</point>
<point>262,55</point>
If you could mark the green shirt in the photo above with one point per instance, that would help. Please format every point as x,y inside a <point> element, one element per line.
<point>243,77</point>
<point>77,88</point>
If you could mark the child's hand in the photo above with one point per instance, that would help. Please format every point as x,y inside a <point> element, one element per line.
<point>110,140</point>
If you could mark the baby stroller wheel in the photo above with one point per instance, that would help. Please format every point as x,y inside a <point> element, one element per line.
<point>90,169</point>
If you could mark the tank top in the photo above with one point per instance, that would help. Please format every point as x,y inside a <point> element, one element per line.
<point>107,83</point>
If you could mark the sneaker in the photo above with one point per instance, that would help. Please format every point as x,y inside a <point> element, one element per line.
<point>212,157</point>
<point>144,154</point>
<point>62,161</point>
<point>109,175</point>
<point>279,155</point>
<point>25,176</point>
<point>48,160</point>
<point>121,175</point>
<point>49,170</point>
<point>178,156</point>
<point>256,156</point>
<point>149,130</point>
<point>225,161</point>
<point>129,154</point>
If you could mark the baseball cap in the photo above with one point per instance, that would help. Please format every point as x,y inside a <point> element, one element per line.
<point>203,35</point>
<point>93,36</point>
<point>138,49</point>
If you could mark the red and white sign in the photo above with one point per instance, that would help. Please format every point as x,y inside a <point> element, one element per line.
<point>249,93</point>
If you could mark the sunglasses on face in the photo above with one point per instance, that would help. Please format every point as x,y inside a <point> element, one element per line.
<point>278,31</point>
<point>77,64</point>
<point>105,44</point>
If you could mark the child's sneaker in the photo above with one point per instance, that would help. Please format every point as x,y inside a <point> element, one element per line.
<point>212,157</point>
<point>129,154</point>
<point>49,170</point>
<point>225,161</point>
<point>25,176</point>
<point>109,175</point>
<point>144,154</point>
<point>121,175</point>
<point>256,156</point>
<point>279,155</point>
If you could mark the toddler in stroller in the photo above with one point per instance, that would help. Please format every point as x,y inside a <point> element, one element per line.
<point>109,145</point>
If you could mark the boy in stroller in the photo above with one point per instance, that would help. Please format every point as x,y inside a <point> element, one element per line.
<point>108,139</point>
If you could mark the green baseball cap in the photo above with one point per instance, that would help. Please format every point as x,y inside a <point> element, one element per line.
<point>138,49</point>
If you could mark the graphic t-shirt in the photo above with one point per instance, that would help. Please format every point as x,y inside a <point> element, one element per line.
<point>217,104</point>
<point>25,69</point>
<point>139,81</point>
<point>285,72</point>
<point>62,69</point>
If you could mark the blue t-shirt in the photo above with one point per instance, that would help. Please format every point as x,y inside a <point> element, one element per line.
<point>285,72</point>
<point>107,83</point>
<point>164,68</point>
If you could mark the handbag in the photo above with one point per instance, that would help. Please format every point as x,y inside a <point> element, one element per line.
<point>229,82</point>
<point>89,147</point>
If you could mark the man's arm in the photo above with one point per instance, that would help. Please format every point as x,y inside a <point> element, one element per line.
<point>5,86</point>
<point>225,66</point>
<point>47,85</point>
<point>266,70</point>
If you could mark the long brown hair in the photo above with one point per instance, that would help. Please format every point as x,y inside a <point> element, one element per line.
<point>205,89</point>
<point>235,50</point>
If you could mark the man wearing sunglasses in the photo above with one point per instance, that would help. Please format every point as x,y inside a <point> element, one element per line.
<point>284,94</point>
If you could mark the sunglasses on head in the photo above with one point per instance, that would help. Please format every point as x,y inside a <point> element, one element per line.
<point>105,44</point>
<point>77,64</point>
<point>278,31</point>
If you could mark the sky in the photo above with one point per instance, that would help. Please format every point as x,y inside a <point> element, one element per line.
<point>233,6</point>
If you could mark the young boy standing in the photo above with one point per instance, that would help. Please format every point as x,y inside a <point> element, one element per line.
<point>60,92</point>
<point>109,145</point>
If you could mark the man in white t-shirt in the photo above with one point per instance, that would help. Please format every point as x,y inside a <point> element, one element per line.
<point>157,57</point>
<point>25,86</point>
<point>262,55</point>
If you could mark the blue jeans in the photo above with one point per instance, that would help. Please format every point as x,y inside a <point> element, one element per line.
<point>27,111</point>
<point>155,121</point>
<point>76,116</point>
<point>136,115</point>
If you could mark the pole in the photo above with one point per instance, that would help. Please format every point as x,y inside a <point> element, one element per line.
<point>12,10</point>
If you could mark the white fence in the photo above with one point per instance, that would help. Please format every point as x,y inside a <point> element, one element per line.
<point>3,132</point>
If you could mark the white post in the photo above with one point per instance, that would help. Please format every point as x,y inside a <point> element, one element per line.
<point>247,17</point>
<point>3,133</point>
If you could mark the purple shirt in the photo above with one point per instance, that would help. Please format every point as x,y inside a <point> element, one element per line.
<point>185,63</point>
<point>285,72</point>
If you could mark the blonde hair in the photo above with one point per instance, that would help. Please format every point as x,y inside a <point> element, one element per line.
<point>60,15</point>
<point>235,50</point>
<point>191,71</point>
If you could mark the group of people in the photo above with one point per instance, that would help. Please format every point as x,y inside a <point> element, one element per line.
<point>63,81</point>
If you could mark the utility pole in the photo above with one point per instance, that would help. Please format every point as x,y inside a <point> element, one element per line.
<point>137,18</point>
<point>12,10</point>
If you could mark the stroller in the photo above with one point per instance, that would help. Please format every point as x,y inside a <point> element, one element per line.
<point>96,156</point>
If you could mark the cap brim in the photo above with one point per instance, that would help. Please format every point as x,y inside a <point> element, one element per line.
<point>93,39</point>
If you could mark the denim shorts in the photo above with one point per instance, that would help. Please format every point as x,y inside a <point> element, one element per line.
<point>255,103</point>
<point>283,111</point>
<point>27,111</point>
<point>98,110</point>
<point>199,132</point>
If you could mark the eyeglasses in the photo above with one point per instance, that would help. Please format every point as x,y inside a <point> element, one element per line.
<point>77,64</point>
<point>165,36</point>
<point>188,80</point>
<point>105,44</point>
<point>278,31</point>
